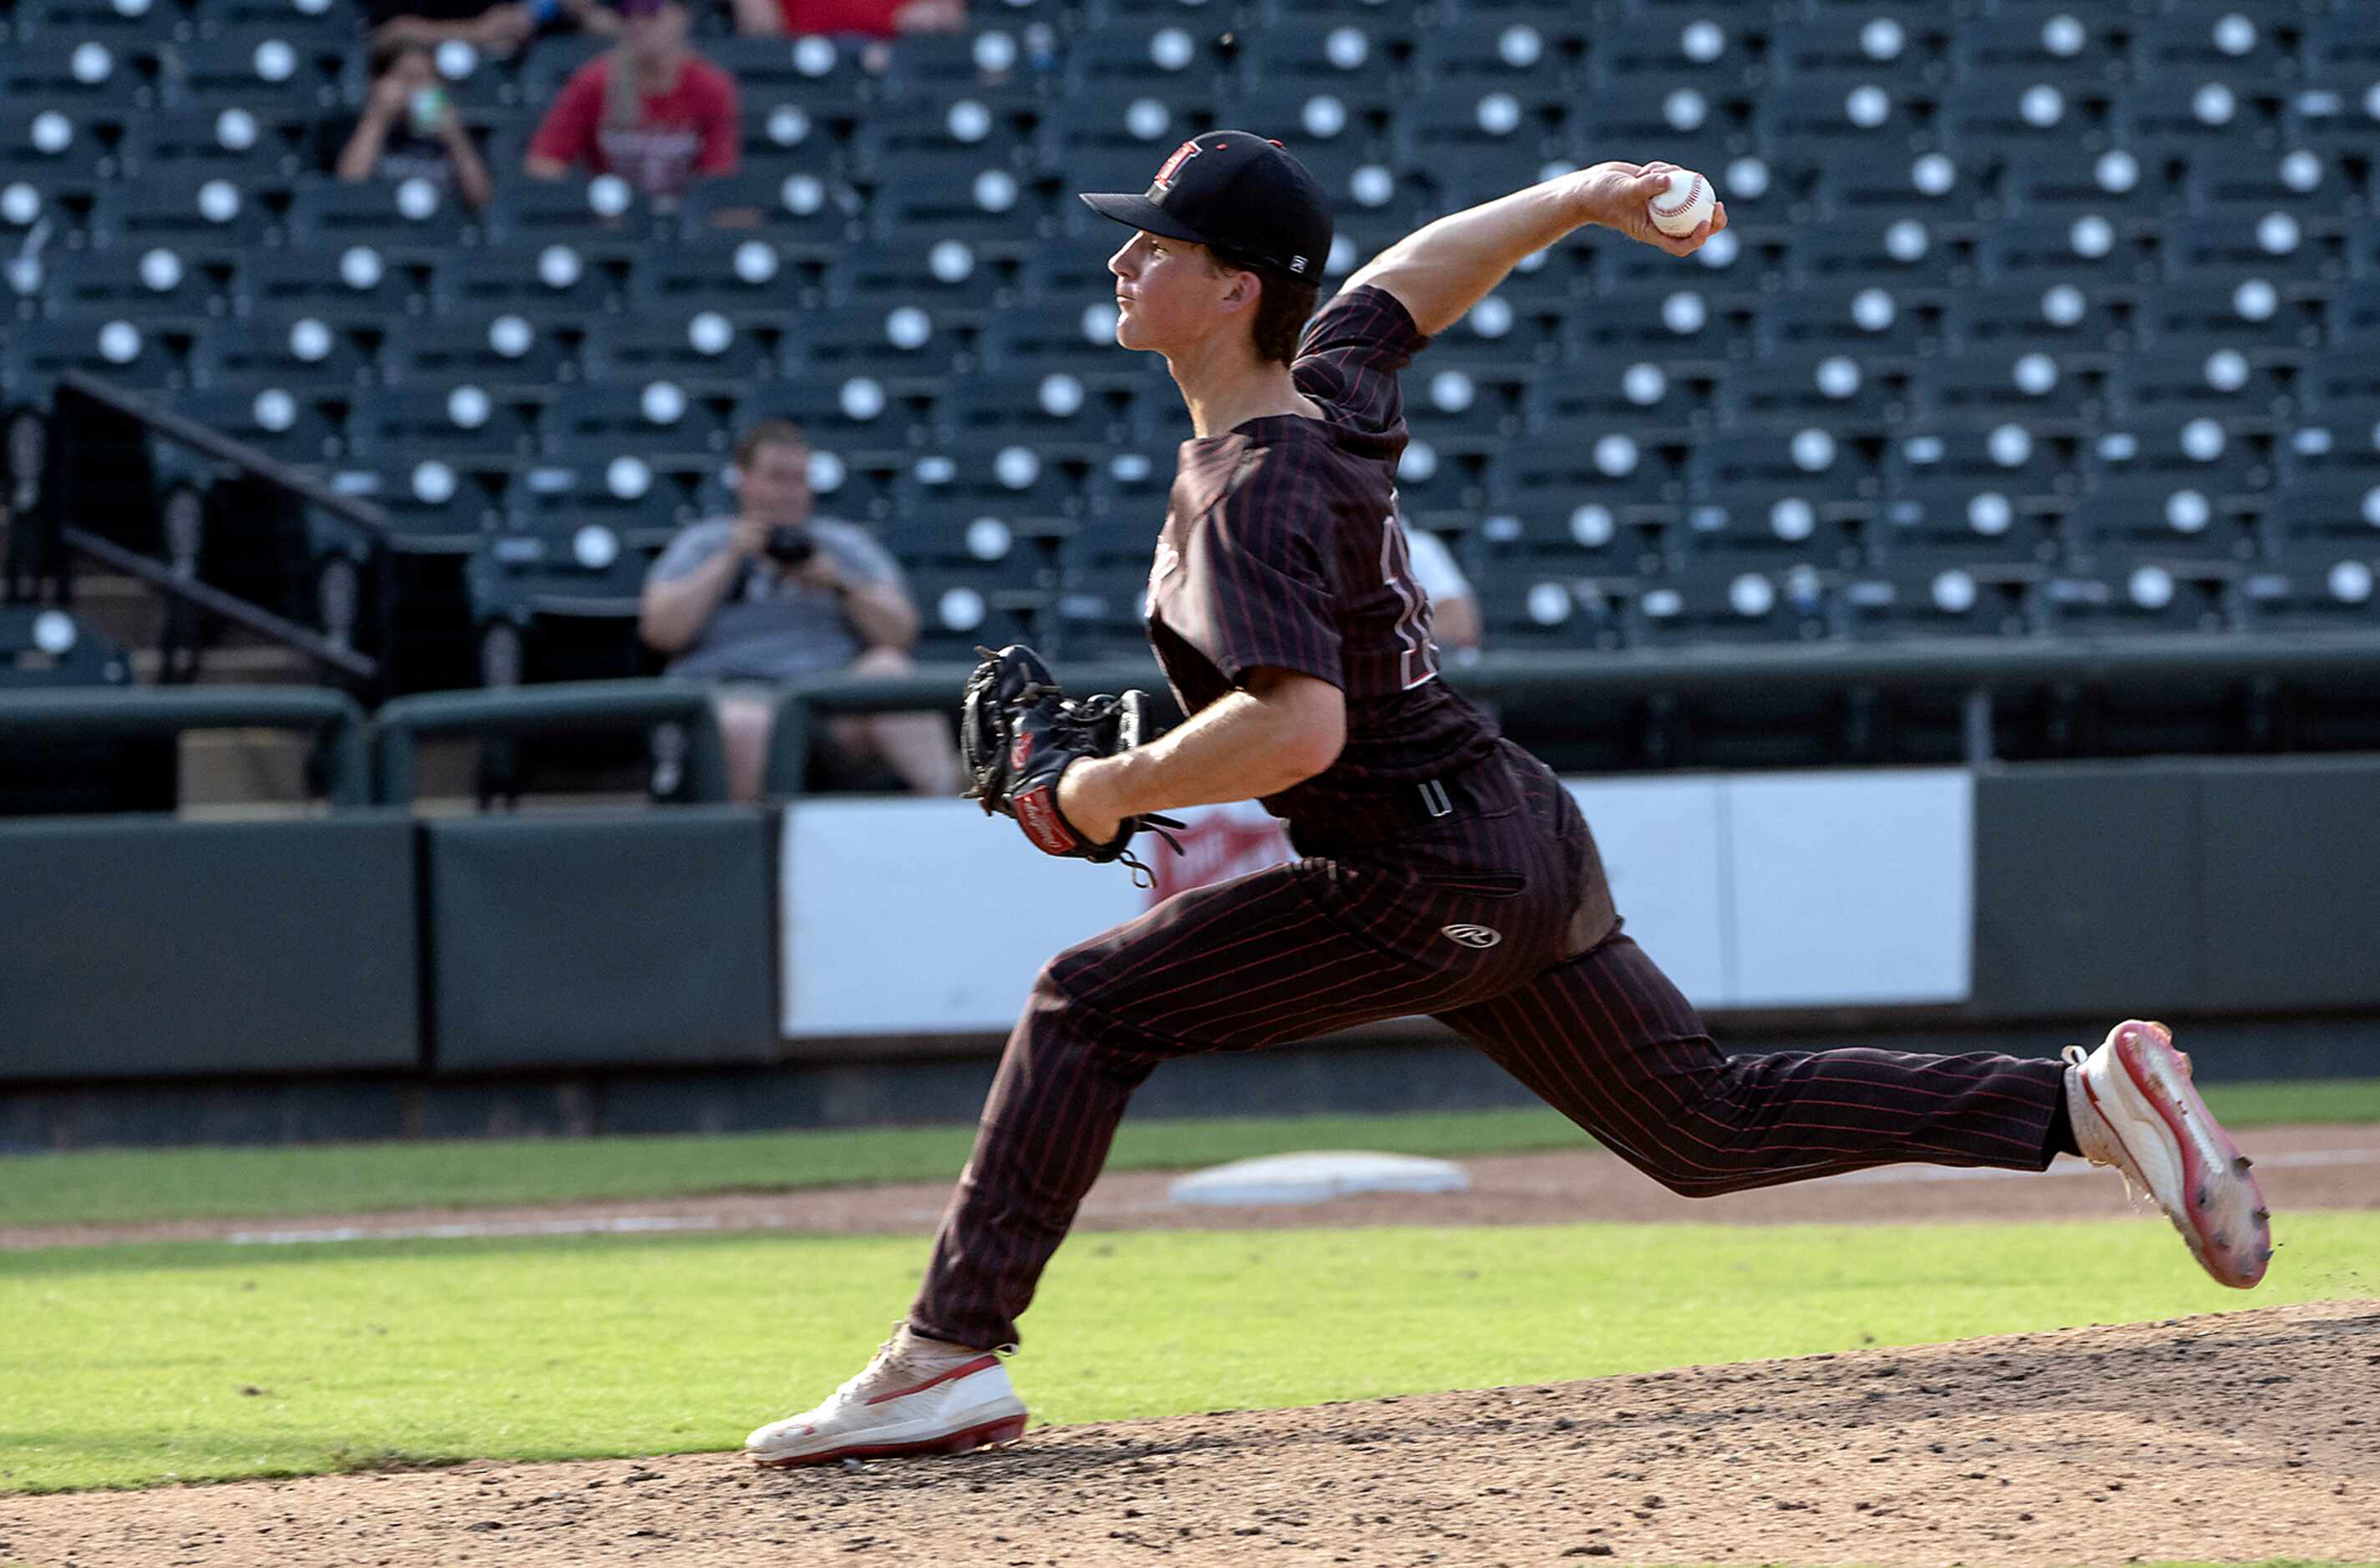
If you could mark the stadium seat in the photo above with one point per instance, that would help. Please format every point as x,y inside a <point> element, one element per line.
<point>1113,135</point>
<point>104,19</point>
<point>2312,595</point>
<point>2198,452</point>
<point>1078,340</point>
<point>1099,610</point>
<point>2337,436</point>
<point>2340,380</point>
<point>80,75</point>
<point>2011,117</point>
<point>1849,48</point>
<point>978,473</point>
<point>2277,246</point>
<point>1676,328</point>
<point>34,353</point>
<point>261,151</point>
<point>855,419</point>
<point>2337,513</point>
<point>2197,42</point>
<point>1320,59</point>
<point>961,194</point>
<point>2068,179</point>
<point>596,215</point>
<point>1553,610</point>
<point>215,222</point>
<point>551,283</point>
<point>1562,466</point>
<point>2183,382</point>
<point>274,420</point>
<point>1878,118</point>
<point>511,354</point>
<point>1897,253</point>
<point>291,348</point>
<point>2005,457</point>
<point>2080,325</point>
<point>2253,316</point>
<point>2128,595</point>
<point>1874,322</point>
<point>1054,413</point>
<point>1814,385</point>
<point>2093,251</point>
<point>155,287</point>
<point>1694,127</point>
<point>1887,182</point>
<point>575,585</point>
<point>56,152</point>
<point>1173,56</point>
<point>1467,57</point>
<point>803,214</point>
<point>2029,384</point>
<point>701,352</point>
<point>1948,522</point>
<point>352,287</point>
<point>1893,602</point>
<point>1730,603</point>
<point>1709,48</point>
<point>948,277</point>
<point>2248,182</point>
<point>899,344</point>
<point>2075,48</point>
<point>402,425</point>
<point>755,284</point>
<point>996,65</point>
<point>262,67</point>
<point>405,220</point>
<point>831,80</point>
<point>985,126</point>
<point>2166,120</point>
<point>629,484</point>
<point>43,645</point>
<point>434,504</point>
<point>2162,515</point>
<point>1642,396</point>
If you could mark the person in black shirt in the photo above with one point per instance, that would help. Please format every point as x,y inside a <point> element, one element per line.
<point>409,131</point>
<point>492,27</point>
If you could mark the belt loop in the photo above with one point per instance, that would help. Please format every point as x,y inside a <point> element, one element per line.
<point>1433,798</point>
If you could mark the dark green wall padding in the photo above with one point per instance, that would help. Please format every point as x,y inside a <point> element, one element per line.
<point>588,939</point>
<point>2209,885</point>
<point>140,946</point>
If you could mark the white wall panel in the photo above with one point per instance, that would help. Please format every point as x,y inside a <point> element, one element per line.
<point>1661,848</point>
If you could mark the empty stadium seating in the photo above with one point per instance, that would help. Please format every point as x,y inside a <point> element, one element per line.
<point>2035,319</point>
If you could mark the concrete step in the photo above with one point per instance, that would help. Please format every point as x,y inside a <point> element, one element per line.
<point>268,666</point>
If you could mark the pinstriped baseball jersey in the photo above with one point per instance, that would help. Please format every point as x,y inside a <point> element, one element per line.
<point>1280,550</point>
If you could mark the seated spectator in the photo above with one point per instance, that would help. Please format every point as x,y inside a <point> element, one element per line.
<point>409,129</point>
<point>775,594</point>
<point>650,111</point>
<point>492,27</point>
<point>1454,622</point>
<point>877,20</point>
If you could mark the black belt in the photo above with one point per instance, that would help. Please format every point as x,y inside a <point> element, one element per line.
<point>1484,786</point>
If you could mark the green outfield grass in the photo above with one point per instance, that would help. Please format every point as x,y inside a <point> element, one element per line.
<point>103,1187</point>
<point>138,1363</point>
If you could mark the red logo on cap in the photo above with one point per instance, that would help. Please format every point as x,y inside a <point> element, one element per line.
<point>1182,155</point>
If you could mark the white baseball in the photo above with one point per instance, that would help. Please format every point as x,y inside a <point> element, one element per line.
<point>1685,206</point>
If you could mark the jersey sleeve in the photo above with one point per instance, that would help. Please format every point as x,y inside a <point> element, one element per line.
<point>567,135</point>
<point>1350,354</point>
<point>1256,594</point>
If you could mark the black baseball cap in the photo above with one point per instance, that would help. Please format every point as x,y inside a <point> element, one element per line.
<point>1239,193</point>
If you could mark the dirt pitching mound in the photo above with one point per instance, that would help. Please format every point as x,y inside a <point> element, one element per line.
<point>2244,1435</point>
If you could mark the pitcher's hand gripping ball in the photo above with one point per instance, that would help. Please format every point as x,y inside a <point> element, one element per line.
<point>1682,208</point>
<point>1017,733</point>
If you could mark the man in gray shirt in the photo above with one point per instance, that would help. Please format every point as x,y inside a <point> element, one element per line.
<point>774,594</point>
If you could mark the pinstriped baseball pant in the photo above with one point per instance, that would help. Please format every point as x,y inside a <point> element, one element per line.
<point>1331,942</point>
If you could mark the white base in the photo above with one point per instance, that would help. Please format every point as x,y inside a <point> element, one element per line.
<point>1313,1177</point>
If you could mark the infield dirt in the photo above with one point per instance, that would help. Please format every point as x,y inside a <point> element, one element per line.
<point>2244,1436</point>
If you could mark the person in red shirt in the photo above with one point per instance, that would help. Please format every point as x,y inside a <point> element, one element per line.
<point>650,111</point>
<point>879,19</point>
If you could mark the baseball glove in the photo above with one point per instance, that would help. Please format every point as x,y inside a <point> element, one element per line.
<point>1017,732</point>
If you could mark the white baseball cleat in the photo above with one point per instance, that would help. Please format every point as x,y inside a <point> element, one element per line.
<point>916,1396</point>
<point>2134,1107</point>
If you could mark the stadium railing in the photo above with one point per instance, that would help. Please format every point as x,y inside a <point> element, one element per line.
<point>577,707</point>
<point>331,716</point>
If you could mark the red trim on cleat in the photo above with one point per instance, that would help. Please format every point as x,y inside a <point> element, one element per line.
<point>963,1370</point>
<point>2193,1128</point>
<point>1008,1429</point>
